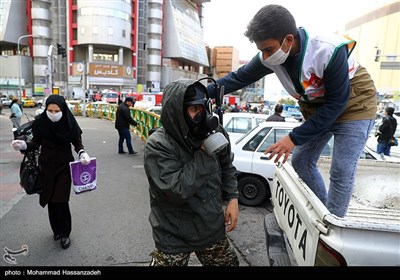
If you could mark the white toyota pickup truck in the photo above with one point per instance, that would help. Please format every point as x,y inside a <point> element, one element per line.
<point>301,231</point>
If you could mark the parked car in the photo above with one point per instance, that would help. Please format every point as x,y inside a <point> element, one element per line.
<point>6,101</point>
<point>110,97</point>
<point>154,109</point>
<point>293,113</point>
<point>255,172</point>
<point>238,124</point>
<point>28,102</point>
<point>41,102</point>
<point>143,104</point>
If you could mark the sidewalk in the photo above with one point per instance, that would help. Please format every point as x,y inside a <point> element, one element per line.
<point>10,191</point>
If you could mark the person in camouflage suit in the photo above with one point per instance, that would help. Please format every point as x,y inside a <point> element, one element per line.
<point>189,186</point>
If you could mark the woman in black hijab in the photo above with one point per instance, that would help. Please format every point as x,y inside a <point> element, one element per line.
<point>54,131</point>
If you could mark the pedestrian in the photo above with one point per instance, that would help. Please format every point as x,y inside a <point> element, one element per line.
<point>263,110</point>
<point>228,108</point>
<point>335,93</point>
<point>385,132</point>
<point>235,109</point>
<point>277,116</point>
<point>123,121</point>
<point>189,184</point>
<point>54,131</point>
<point>16,112</point>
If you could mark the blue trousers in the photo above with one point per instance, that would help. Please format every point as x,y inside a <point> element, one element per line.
<point>349,141</point>
<point>125,134</point>
<point>383,148</point>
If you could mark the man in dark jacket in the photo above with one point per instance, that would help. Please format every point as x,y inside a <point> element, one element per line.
<point>190,181</point>
<point>123,120</point>
<point>276,117</point>
<point>336,96</point>
<point>386,132</point>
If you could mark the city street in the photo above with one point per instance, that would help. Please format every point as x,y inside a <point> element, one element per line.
<point>110,225</point>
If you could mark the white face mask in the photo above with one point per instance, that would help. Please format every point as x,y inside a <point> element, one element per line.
<point>278,57</point>
<point>54,117</point>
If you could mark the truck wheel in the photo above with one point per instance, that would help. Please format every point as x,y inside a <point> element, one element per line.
<point>252,191</point>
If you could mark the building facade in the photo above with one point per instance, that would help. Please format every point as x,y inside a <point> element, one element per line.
<point>126,45</point>
<point>378,48</point>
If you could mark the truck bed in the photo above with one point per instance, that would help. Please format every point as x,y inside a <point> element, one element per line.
<point>367,235</point>
<point>376,196</point>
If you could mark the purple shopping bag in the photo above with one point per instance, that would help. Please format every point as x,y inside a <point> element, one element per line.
<point>83,176</point>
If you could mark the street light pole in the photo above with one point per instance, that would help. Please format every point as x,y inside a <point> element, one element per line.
<point>50,69</point>
<point>19,95</point>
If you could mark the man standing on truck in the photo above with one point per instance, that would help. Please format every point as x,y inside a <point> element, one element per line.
<point>336,95</point>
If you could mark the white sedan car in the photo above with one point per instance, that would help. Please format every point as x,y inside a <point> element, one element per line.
<point>254,171</point>
<point>155,109</point>
<point>238,124</point>
<point>6,101</point>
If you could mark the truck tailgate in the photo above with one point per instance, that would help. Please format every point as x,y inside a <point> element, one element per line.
<point>298,212</point>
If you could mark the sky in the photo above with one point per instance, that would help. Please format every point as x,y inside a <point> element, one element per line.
<point>225,22</point>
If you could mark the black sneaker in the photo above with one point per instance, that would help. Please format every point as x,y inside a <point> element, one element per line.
<point>122,152</point>
<point>134,153</point>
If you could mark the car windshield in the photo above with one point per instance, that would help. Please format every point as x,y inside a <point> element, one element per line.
<point>111,95</point>
<point>245,134</point>
<point>238,125</point>
<point>268,136</point>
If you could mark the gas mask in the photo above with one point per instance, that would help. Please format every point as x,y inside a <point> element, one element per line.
<point>200,120</point>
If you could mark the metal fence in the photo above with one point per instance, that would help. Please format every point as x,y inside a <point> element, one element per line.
<point>146,120</point>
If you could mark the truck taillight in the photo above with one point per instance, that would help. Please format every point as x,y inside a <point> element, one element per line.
<point>326,256</point>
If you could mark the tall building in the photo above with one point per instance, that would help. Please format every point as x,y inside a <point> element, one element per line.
<point>74,46</point>
<point>378,45</point>
<point>225,60</point>
<point>183,49</point>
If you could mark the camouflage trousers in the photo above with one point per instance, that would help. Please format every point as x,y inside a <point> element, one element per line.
<point>220,253</point>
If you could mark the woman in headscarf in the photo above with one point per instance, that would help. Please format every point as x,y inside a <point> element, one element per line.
<point>53,132</point>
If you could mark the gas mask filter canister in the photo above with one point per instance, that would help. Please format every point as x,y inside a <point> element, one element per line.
<point>214,143</point>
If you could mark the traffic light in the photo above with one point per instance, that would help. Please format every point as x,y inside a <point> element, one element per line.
<point>61,50</point>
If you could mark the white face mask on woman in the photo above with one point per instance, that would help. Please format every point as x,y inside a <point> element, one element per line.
<point>278,57</point>
<point>54,117</point>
